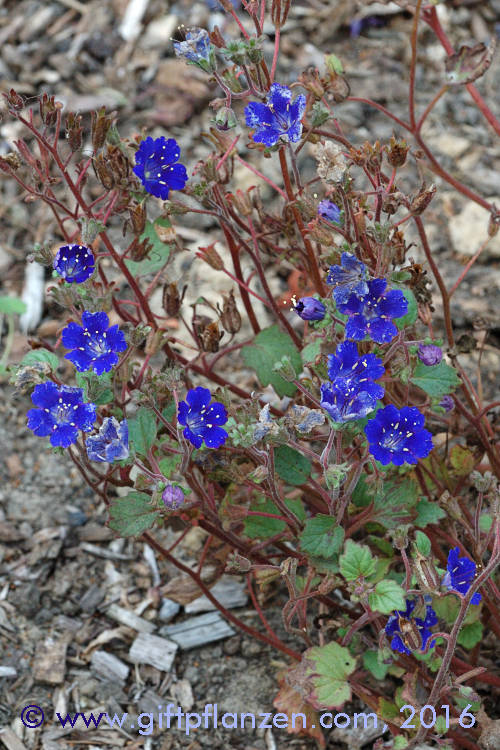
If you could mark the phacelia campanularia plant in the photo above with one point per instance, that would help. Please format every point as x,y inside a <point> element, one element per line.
<point>300,403</point>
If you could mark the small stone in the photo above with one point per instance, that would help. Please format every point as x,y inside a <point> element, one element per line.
<point>168,610</point>
<point>469,229</point>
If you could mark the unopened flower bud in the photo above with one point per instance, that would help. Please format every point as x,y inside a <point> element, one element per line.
<point>139,334</point>
<point>447,403</point>
<point>90,228</point>
<point>225,119</point>
<point>172,496</point>
<point>309,308</point>
<point>230,316</point>
<point>14,100</point>
<point>430,354</point>
<point>483,482</point>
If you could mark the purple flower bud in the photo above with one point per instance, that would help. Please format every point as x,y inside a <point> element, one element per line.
<point>310,308</point>
<point>430,354</point>
<point>173,497</point>
<point>447,403</point>
<point>329,211</point>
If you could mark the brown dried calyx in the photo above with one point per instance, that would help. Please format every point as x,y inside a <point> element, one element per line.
<point>230,317</point>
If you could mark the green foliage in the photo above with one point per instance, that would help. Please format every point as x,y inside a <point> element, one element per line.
<point>423,543</point>
<point>261,527</point>
<point>269,346</point>
<point>470,635</point>
<point>291,465</point>
<point>97,388</point>
<point>327,669</point>
<point>387,597</point>
<point>411,315</point>
<point>428,512</point>
<point>436,380</point>
<point>159,253</point>
<point>373,664</point>
<point>311,351</point>
<point>12,306</point>
<point>132,514</point>
<point>40,355</point>
<point>142,430</point>
<point>321,537</point>
<point>357,561</point>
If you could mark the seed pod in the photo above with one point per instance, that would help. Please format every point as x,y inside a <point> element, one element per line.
<point>210,337</point>
<point>74,131</point>
<point>210,255</point>
<point>242,202</point>
<point>137,215</point>
<point>230,316</point>
<point>171,300</point>
<point>494,223</point>
<point>14,100</point>
<point>48,109</point>
<point>118,162</point>
<point>410,634</point>
<point>141,250</point>
<point>10,162</point>
<point>99,128</point>
<point>103,172</point>
<point>426,574</point>
<point>422,200</point>
<point>398,150</point>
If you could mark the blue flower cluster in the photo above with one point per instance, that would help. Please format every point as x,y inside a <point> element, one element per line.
<point>278,119</point>
<point>352,392</point>
<point>202,420</point>
<point>410,633</point>
<point>155,166</point>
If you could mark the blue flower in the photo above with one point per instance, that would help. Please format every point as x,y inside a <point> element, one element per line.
<point>329,211</point>
<point>398,436</point>
<point>95,346</point>
<point>156,168</point>
<point>60,413</point>
<point>410,633</point>
<point>430,354</point>
<point>309,308</point>
<point>202,419</point>
<point>372,314</point>
<point>74,263</point>
<point>278,118</point>
<point>349,278</point>
<point>111,444</point>
<point>348,370</point>
<point>344,405</point>
<point>197,49</point>
<point>460,575</point>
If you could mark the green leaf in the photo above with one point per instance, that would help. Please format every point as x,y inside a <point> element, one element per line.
<point>311,351</point>
<point>169,464</point>
<point>269,346</point>
<point>428,512</point>
<point>142,430</point>
<point>327,669</point>
<point>132,514</point>
<point>393,504</point>
<point>98,388</point>
<point>411,315</point>
<point>423,543</point>
<point>436,380</point>
<point>12,306</point>
<point>372,664</point>
<point>470,635</point>
<point>322,537</point>
<point>261,527</point>
<point>357,561</point>
<point>387,597</point>
<point>400,742</point>
<point>41,355</point>
<point>291,465</point>
<point>159,253</point>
